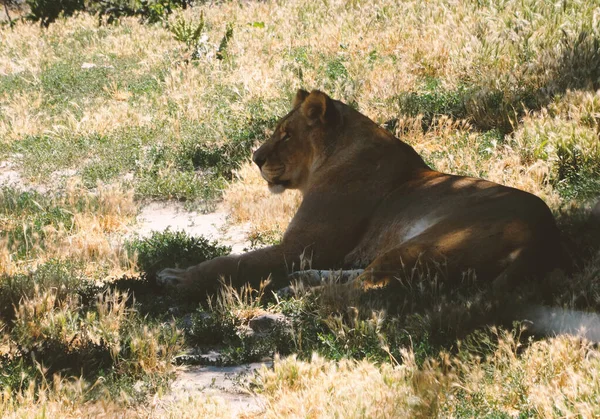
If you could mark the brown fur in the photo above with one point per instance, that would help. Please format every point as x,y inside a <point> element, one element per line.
<point>369,201</point>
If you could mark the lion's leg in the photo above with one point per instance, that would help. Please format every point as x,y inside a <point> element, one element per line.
<point>396,264</point>
<point>252,268</point>
<point>315,277</point>
<point>504,268</point>
<point>170,277</point>
<point>521,265</point>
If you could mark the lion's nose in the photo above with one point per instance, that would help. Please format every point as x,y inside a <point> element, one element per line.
<point>258,159</point>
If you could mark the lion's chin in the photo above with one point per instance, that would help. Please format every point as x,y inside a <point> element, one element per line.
<point>276,188</point>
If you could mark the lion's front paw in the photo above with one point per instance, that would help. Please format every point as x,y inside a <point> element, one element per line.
<point>172,277</point>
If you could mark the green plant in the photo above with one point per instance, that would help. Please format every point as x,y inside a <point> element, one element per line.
<point>172,249</point>
<point>336,70</point>
<point>189,33</point>
<point>431,102</point>
<point>65,277</point>
<point>17,374</point>
<point>222,51</point>
<point>260,239</point>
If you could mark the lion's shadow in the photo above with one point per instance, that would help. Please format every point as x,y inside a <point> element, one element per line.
<point>426,307</point>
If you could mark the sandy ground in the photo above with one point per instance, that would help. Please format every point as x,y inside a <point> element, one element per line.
<point>224,384</point>
<point>158,216</point>
<point>11,177</point>
<point>228,385</point>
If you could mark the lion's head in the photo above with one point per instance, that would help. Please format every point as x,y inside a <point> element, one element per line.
<point>288,157</point>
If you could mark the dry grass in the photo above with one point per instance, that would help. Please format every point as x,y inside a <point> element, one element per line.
<point>552,378</point>
<point>94,236</point>
<point>435,68</point>
<point>325,389</point>
<point>486,50</point>
<point>247,200</point>
<point>49,404</point>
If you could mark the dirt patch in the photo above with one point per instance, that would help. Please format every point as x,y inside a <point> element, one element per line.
<point>10,177</point>
<point>158,216</point>
<point>227,384</point>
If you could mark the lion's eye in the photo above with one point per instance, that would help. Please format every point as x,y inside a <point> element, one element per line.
<point>286,137</point>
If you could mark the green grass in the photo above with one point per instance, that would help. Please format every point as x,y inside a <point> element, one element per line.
<point>97,157</point>
<point>15,83</point>
<point>186,164</point>
<point>65,82</point>
<point>67,86</point>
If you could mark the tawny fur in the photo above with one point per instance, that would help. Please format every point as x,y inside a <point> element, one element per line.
<point>370,201</point>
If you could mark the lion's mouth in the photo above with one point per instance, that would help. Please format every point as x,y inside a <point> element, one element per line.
<point>275,184</point>
<point>274,179</point>
<point>276,188</point>
<point>284,183</point>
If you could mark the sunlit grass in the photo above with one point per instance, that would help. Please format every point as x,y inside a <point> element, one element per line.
<point>99,119</point>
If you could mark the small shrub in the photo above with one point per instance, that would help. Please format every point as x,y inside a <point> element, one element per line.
<point>191,34</point>
<point>169,249</point>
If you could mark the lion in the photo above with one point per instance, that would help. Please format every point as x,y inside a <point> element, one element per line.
<point>371,205</point>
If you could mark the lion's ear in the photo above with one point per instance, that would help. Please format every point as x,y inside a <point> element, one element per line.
<point>318,107</point>
<point>300,96</point>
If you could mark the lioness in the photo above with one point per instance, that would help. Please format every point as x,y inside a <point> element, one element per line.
<point>370,201</point>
